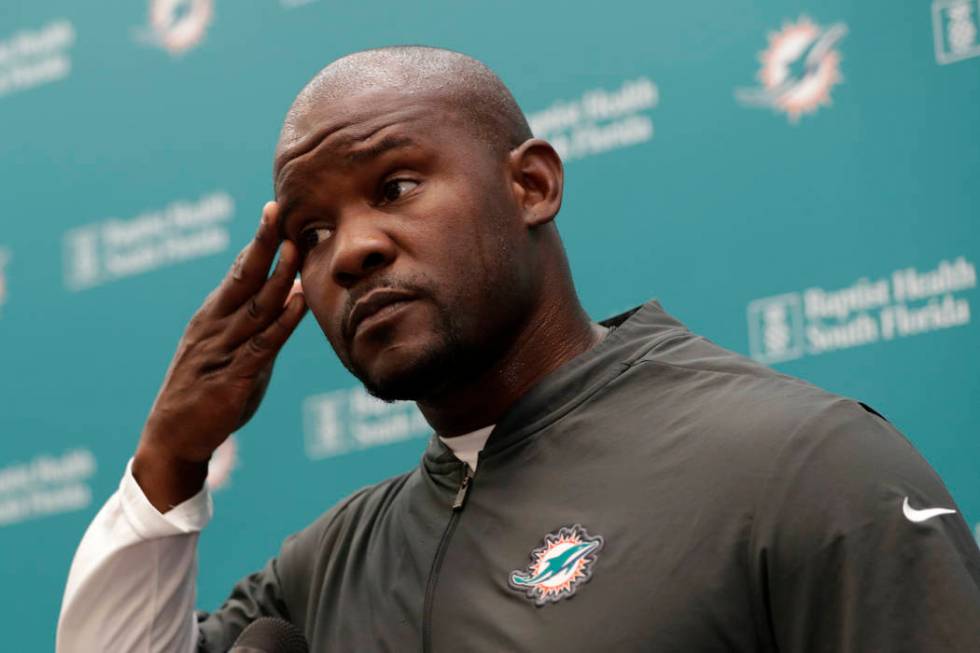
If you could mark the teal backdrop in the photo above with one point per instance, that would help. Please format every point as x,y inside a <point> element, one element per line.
<point>797,181</point>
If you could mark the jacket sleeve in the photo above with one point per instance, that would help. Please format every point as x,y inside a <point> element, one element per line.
<point>281,589</point>
<point>848,557</point>
<point>257,595</point>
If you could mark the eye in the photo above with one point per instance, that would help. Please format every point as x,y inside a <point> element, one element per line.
<point>310,238</point>
<point>393,189</point>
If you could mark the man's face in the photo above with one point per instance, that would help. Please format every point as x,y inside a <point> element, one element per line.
<point>415,256</point>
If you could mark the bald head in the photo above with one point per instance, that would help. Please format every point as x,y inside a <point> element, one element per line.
<point>409,176</point>
<point>468,87</point>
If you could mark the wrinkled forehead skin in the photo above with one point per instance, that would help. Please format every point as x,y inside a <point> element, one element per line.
<point>331,131</point>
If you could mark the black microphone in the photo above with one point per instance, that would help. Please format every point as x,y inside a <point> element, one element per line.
<point>270,635</point>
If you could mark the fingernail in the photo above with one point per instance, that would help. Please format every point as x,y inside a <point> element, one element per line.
<point>267,212</point>
<point>236,273</point>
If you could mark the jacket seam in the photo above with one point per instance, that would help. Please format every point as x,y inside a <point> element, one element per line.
<point>563,411</point>
<point>339,510</point>
<point>589,393</point>
<point>760,498</point>
<point>691,368</point>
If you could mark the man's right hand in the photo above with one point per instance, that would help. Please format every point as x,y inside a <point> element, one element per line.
<point>221,369</point>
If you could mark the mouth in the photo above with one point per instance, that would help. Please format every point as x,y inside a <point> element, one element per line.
<point>376,307</point>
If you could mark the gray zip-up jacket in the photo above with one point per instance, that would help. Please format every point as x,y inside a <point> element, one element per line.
<point>656,493</point>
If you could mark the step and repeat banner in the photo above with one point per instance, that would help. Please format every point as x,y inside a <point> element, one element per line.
<point>797,181</point>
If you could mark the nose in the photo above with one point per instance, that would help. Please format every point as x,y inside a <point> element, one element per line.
<point>361,248</point>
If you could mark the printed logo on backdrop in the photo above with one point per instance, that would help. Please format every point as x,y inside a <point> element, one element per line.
<point>907,303</point>
<point>956,29</point>
<point>35,57</point>
<point>599,120</point>
<point>46,486</point>
<point>4,259</point>
<point>177,25</point>
<point>114,249</point>
<point>798,69</point>
<point>339,422</point>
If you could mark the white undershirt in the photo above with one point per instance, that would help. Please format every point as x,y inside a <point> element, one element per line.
<point>467,447</point>
<point>132,581</point>
<point>132,584</point>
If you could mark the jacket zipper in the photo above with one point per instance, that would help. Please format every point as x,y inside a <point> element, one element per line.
<point>430,586</point>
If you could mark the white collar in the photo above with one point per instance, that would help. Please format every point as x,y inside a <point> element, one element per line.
<point>467,447</point>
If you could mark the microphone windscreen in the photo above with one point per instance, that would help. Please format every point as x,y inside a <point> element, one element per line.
<point>270,635</point>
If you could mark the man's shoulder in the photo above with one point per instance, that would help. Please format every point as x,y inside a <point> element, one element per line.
<point>762,418</point>
<point>681,356</point>
<point>343,518</point>
<point>368,499</point>
<point>737,410</point>
<point>793,447</point>
<point>727,393</point>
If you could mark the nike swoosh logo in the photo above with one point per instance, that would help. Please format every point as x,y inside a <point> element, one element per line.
<point>917,516</point>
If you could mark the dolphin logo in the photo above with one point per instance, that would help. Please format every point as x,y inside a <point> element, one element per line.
<point>559,566</point>
<point>799,68</point>
<point>177,25</point>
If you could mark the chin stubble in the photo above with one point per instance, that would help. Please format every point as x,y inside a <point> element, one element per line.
<point>429,374</point>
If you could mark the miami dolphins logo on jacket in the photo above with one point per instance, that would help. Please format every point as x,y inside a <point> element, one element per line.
<point>559,566</point>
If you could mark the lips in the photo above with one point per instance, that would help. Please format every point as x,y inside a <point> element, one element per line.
<point>374,302</point>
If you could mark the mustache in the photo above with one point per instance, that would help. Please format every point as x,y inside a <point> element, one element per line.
<point>414,286</point>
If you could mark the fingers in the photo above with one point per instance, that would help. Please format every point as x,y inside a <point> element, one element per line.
<point>259,350</point>
<point>297,289</point>
<point>262,308</point>
<point>250,269</point>
<point>253,312</point>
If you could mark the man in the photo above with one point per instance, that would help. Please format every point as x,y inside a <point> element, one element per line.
<point>627,486</point>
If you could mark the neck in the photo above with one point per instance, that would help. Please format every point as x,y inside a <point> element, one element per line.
<point>556,333</point>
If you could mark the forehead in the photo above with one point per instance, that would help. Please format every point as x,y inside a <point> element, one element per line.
<point>336,131</point>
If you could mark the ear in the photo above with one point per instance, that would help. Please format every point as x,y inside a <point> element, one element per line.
<point>538,180</point>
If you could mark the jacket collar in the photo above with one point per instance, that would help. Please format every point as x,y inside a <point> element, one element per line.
<point>632,334</point>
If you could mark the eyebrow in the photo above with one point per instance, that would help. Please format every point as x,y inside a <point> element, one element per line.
<point>386,144</point>
<point>358,157</point>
